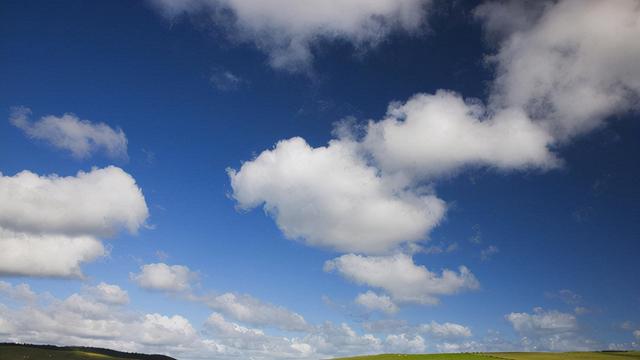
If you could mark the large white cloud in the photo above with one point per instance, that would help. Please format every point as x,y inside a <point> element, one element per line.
<point>163,277</point>
<point>81,137</point>
<point>329,197</point>
<point>46,255</point>
<point>51,225</point>
<point>248,309</point>
<point>402,278</point>
<point>569,64</point>
<point>431,135</point>
<point>287,29</point>
<point>98,202</point>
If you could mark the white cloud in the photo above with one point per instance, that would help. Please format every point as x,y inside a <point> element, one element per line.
<point>5,327</point>
<point>287,29</point>
<point>569,64</point>
<point>432,135</point>
<point>439,248</point>
<point>390,325</point>
<point>354,209</point>
<point>557,76</point>
<point>372,301</point>
<point>28,254</point>
<point>50,225</point>
<point>20,292</point>
<point>542,322</point>
<point>548,331</point>
<point>109,293</point>
<point>403,343</point>
<point>402,278</point>
<point>163,277</point>
<point>451,347</point>
<point>164,330</point>
<point>341,340</point>
<point>250,310</point>
<point>636,334</point>
<point>81,137</point>
<point>445,330</point>
<point>98,202</point>
<point>80,320</point>
<point>225,328</point>
<point>90,319</point>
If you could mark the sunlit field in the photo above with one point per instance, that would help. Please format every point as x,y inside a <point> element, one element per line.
<point>508,356</point>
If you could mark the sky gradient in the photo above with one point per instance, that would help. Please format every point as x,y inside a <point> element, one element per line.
<point>239,179</point>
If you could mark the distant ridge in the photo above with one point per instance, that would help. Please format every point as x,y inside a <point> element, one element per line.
<point>10,351</point>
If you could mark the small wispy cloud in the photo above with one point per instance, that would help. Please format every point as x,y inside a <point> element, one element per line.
<point>226,81</point>
<point>487,253</point>
<point>82,138</point>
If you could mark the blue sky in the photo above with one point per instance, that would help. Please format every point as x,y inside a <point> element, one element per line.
<point>245,179</point>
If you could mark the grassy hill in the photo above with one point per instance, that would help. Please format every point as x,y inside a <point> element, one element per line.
<point>49,352</point>
<point>617,355</point>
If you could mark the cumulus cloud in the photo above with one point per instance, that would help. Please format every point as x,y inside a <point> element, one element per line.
<point>20,292</point>
<point>636,334</point>
<point>51,225</point>
<point>68,132</point>
<point>163,277</point>
<point>354,209</point>
<point>341,340</point>
<point>542,322</point>
<point>287,29</point>
<point>42,255</point>
<point>98,202</point>
<point>557,76</point>
<point>321,341</point>
<point>403,343</point>
<point>109,293</point>
<point>164,330</point>
<point>399,276</point>
<point>93,318</point>
<point>570,64</point>
<point>445,330</point>
<point>248,309</point>
<point>81,321</point>
<point>433,135</point>
<point>372,301</point>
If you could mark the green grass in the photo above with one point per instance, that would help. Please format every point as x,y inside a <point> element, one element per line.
<point>623,355</point>
<point>420,357</point>
<point>36,352</point>
<point>626,355</point>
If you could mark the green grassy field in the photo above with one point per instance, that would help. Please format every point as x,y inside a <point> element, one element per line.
<point>34,352</point>
<point>630,355</point>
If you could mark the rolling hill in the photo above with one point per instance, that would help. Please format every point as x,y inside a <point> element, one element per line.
<point>10,351</point>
